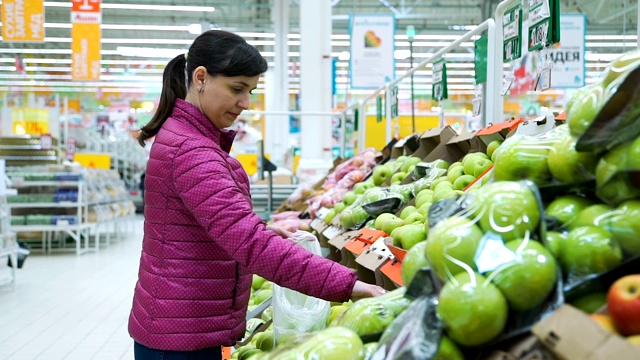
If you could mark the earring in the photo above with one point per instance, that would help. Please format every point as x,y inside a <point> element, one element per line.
<point>200,90</point>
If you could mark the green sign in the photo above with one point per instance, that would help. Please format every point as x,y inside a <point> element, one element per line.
<point>544,17</point>
<point>394,102</point>
<point>379,109</point>
<point>356,118</point>
<point>439,88</point>
<point>512,26</point>
<point>480,59</point>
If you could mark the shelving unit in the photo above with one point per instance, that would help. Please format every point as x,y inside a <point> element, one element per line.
<point>8,245</point>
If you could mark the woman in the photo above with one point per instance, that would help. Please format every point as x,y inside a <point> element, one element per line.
<point>202,240</point>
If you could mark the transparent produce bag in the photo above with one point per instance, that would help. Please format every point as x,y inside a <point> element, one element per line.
<point>372,202</point>
<point>293,312</point>
<point>547,159</point>
<point>331,343</point>
<point>370,317</point>
<point>495,276</point>
<point>618,173</point>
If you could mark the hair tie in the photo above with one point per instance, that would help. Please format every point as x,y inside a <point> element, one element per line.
<point>186,55</point>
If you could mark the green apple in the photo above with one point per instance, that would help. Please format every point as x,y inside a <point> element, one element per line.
<point>589,250</point>
<point>406,211</point>
<point>411,161</point>
<point>621,66</point>
<point>454,173</point>
<point>633,157</point>
<point>473,310</point>
<point>388,222</point>
<point>482,166</point>
<point>408,235</point>
<point>522,160</point>
<point>423,197</point>
<point>567,165</point>
<point>361,187</point>
<point>373,195</point>
<point>415,217</point>
<point>585,109</point>
<point>329,217</point>
<point>463,181</point>
<point>594,215</point>
<point>424,209</point>
<point>591,303</point>
<point>443,193</point>
<point>447,350</point>
<point>443,184</point>
<point>370,224</point>
<point>398,177</point>
<point>624,224</point>
<point>257,282</point>
<point>359,216</point>
<point>263,295</point>
<point>455,164</point>
<point>507,208</point>
<point>492,147</point>
<point>554,242</point>
<point>451,244</point>
<point>567,208</point>
<point>438,181</point>
<point>470,160</point>
<point>381,174</point>
<point>346,220</point>
<point>349,198</point>
<point>613,188</point>
<point>529,278</point>
<point>339,206</point>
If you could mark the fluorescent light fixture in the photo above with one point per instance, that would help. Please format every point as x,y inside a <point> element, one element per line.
<point>401,54</point>
<point>149,52</point>
<point>139,7</point>
<point>195,29</point>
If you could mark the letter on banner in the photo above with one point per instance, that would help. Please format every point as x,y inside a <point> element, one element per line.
<point>86,17</point>
<point>22,20</point>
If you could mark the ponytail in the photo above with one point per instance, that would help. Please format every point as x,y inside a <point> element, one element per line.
<point>173,87</point>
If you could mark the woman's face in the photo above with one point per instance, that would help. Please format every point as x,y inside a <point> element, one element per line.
<point>223,98</point>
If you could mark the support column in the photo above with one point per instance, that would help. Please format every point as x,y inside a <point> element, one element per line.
<point>277,87</point>
<point>315,82</point>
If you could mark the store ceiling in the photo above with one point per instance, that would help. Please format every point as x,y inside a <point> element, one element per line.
<point>48,64</point>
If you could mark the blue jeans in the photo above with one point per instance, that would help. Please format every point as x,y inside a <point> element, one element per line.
<point>142,352</point>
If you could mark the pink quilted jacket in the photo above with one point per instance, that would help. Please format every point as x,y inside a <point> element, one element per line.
<point>202,241</point>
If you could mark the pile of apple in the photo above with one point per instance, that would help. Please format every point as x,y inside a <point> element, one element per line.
<point>261,290</point>
<point>623,307</point>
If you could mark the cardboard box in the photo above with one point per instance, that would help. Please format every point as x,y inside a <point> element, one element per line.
<point>405,146</point>
<point>430,139</point>
<point>493,132</point>
<point>336,247</point>
<point>570,334</point>
<point>453,150</point>
<point>371,253</point>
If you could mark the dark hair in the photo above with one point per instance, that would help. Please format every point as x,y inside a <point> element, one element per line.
<point>221,53</point>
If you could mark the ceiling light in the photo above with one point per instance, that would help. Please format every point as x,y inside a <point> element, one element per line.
<point>139,7</point>
<point>195,29</point>
<point>149,52</point>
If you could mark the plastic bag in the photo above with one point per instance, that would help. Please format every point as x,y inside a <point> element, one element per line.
<point>330,343</point>
<point>495,276</point>
<point>293,312</point>
<point>618,173</point>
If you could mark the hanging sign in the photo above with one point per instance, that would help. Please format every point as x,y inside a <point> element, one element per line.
<point>372,47</point>
<point>394,102</point>
<point>544,17</point>
<point>480,59</point>
<point>86,17</point>
<point>439,81</point>
<point>22,20</point>
<point>512,47</point>
<point>379,109</point>
<point>568,58</point>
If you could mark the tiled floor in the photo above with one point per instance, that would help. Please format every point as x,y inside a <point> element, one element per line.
<point>71,307</point>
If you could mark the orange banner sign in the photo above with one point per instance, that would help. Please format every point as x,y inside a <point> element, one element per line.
<point>86,17</point>
<point>23,20</point>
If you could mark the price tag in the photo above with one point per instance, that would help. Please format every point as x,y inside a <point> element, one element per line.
<point>477,106</point>
<point>332,232</point>
<point>316,223</point>
<point>322,213</point>
<point>46,142</point>
<point>545,79</point>
<point>62,222</point>
<point>507,85</point>
<point>442,122</point>
<point>380,248</point>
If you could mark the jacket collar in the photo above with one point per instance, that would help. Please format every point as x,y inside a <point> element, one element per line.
<point>188,113</point>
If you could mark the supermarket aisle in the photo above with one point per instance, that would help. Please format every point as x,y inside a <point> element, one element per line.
<point>72,307</point>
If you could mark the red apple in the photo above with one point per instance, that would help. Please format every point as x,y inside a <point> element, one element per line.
<point>605,321</point>
<point>623,303</point>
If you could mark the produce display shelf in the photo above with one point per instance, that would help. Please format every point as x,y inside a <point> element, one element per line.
<point>62,204</point>
<point>61,183</point>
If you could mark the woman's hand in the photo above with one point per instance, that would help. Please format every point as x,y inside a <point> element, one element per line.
<point>363,290</point>
<point>280,231</point>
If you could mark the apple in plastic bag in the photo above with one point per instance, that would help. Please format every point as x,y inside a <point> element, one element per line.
<point>624,224</point>
<point>361,187</point>
<point>529,278</point>
<point>447,350</point>
<point>554,242</point>
<point>359,216</point>
<point>593,215</point>
<point>522,159</point>
<point>585,109</point>
<point>452,241</point>
<point>615,190</point>
<point>567,208</point>
<point>589,250</point>
<point>473,310</point>
<point>413,261</point>
<point>621,66</point>
<point>507,208</point>
<point>569,166</point>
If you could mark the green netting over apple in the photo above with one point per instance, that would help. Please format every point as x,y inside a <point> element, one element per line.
<point>496,277</point>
